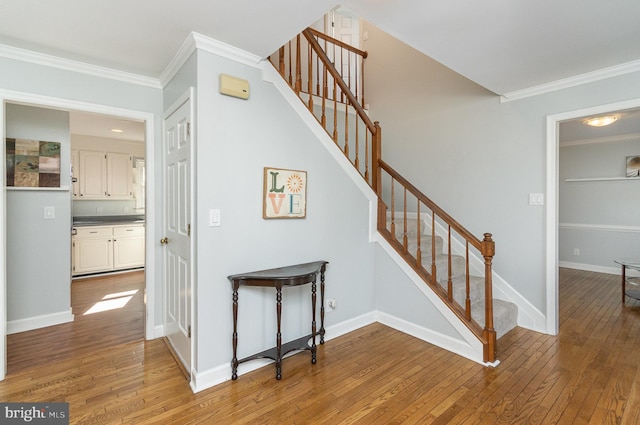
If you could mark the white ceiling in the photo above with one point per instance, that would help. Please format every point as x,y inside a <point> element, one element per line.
<point>88,124</point>
<point>627,127</point>
<point>503,45</point>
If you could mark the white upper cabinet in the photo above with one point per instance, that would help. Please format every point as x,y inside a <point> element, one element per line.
<point>104,175</point>
<point>93,175</point>
<point>119,176</point>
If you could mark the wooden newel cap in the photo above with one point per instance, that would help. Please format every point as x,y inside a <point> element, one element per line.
<point>488,246</point>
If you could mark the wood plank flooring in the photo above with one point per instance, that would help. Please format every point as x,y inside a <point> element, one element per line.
<point>88,332</point>
<point>588,374</point>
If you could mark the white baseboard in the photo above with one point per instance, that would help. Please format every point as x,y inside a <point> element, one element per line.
<point>222,373</point>
<point>445,342</point>
<point>217,375</point>
<point>37,322</point>
<point>617,270</point>
<point>158,331</point>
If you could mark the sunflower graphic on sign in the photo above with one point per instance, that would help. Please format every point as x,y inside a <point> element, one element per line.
<point>285,193</point>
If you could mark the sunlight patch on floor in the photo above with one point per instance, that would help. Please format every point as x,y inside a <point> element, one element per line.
<point>112,302</point>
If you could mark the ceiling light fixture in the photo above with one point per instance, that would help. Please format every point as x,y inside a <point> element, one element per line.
<point>601,121</point>
<point>116,130</point>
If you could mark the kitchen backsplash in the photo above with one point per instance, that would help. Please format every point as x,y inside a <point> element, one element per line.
<point>105,208</point>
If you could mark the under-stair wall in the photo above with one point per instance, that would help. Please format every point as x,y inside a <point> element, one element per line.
<point>396,284</point>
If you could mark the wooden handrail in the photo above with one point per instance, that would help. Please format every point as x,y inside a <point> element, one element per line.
<point>432,206</point>
<point>337,42</point>
<point>337,92</point>
<point>351,99</point>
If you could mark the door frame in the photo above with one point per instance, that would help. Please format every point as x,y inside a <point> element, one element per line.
<point>30,99</point>
<point>553,184</point>
<point>187,96</point>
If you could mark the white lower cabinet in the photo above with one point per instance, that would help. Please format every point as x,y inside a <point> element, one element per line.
<point>128,247</point>
<point>107,248</point>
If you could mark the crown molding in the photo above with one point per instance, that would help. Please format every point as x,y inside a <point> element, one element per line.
<point>76,66</point>
<point>577,80</point>
<point>619,138</point>
<point>196,41</point>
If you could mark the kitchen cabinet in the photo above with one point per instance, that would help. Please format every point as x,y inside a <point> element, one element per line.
<point>107,248</point>
<point>92,249</point>
<point>119,176</point>
<point>105,175</point>
<point>128,247</point>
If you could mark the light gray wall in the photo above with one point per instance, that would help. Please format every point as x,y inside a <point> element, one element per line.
<point>476,157</point>
<point>236,139</point>
<point>38,249</point>
<point>607,212</point>
<point>28,78</point>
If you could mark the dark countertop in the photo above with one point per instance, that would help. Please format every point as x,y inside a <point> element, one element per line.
<point>107,220</point>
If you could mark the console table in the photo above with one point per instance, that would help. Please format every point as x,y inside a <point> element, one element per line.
<point>299,274</point>
<point>630,263</point>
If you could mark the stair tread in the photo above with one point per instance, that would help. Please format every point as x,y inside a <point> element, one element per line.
<point>505,315</point>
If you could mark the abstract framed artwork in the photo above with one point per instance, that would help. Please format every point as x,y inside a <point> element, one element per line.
<point>284,194</point>
<point>32,163</point>
<point>633,166</point>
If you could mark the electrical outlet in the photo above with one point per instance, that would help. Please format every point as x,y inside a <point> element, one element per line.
<point>332,303</point>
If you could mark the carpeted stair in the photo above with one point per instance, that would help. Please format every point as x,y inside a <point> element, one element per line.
<point>505,313</point>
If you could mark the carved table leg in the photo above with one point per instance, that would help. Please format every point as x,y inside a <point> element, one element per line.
<point>234,361</point>
<point>313,320</point>
<point>321,304</point>
<point>279,334</point>
<point>624,278</point>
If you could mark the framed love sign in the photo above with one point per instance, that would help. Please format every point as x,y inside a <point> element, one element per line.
<point>284,194</point>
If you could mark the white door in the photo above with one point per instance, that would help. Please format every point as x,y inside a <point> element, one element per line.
<point>343,25</point>
<point>177,147</point>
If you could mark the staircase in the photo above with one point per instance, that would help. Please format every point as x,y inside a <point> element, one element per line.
<point>455,264</point>
<point>505,313</point>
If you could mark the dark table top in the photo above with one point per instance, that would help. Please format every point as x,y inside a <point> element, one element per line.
<point>289,275</point>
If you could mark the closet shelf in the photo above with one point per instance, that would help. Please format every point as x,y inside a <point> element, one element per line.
<point>596,179</point>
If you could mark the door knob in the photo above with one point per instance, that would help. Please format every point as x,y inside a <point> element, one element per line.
<point>164,241</point>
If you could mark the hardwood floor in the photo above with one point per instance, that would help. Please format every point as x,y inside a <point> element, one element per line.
<point>88,332</point>
<point>588,374</point>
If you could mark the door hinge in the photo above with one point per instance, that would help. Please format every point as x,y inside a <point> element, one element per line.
<point>189,229</point>
<point>188,129</point>
<point>189,331</point>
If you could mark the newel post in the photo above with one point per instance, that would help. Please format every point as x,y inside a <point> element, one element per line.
<point>488,251</point>
<point>376,152</point>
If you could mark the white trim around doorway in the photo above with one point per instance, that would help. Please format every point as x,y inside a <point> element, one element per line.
<point>30,99</point>
<point>552,188</point>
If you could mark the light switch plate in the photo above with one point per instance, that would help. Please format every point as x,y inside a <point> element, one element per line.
<point>536,199</point>
<point>214,218</point>
<point>49,213</point>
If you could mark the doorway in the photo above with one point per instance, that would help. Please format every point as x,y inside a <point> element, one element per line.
<point>552,190</point>
<point>69,105</point>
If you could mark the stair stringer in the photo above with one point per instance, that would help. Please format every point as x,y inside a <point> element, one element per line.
<point>529,316</point>
<point>469,346</point>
